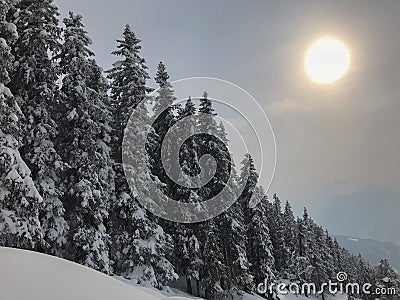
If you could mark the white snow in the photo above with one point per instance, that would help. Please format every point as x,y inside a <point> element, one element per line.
<point>352,239</point>
<point>297,297</point>
<point>72,115</point>
<point>34,276</point>
<point>29,275</point>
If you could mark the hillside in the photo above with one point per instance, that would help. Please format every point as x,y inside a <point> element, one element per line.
<point>372,250</point>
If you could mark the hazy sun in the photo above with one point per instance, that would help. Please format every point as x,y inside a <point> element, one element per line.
<point>327,60</point>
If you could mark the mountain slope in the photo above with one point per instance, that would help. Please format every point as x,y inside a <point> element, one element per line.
<point>372,250</point>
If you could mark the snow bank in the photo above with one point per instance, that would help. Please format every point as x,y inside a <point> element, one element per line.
<point>34,276</point>
<point>29,275</point>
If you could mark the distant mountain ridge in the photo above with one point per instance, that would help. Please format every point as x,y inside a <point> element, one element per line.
<point>372,250</point>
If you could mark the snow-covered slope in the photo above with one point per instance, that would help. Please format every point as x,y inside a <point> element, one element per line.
<point>29,275</point>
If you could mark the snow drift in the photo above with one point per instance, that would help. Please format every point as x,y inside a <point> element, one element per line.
<point>29,275</point>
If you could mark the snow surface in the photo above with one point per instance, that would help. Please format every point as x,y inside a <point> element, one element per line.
<point>29,275</point>
<point>353,239</point>
<point>34,276</point>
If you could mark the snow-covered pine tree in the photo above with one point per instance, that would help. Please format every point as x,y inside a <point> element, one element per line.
<point>364,274</point>
<point>214,272</point>
<point>83,144</point>
<point>164,109</point>
<point>33,82</point>
<point>277,235</point>
<point>139,244</point>
<point>290,236</point>
<point>128,88</point>
<point>165,97</point>
<point>187,255</point>
<point>337,256</point>
<point>19,199</point>
<point>233,227</point>
<point>188,155</point>
<point>232,223</point>
<point>330,252</point>
<point>387,279</point>
<point>320,259</point>
<point>212,142</point>
<point>300,264</point>
<point>186,243</point>
<point>207,124</point>
<point>250,182</point>
<point>260,249</point>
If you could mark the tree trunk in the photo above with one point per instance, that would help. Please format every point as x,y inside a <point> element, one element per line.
<point>189,285</point>
<point>197,288</point>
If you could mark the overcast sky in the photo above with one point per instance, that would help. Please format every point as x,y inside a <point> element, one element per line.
<point>338,145</point>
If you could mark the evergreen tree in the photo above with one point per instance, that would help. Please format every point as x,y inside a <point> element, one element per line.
<point>188,247</point>
<point>300,264</point>
<point>206,122</point>
<point>188,255</point>
<point>290,236</point>
<point>83,144</point>
<point>20,201</point>
<point>214,273</point>
<point>387,280</point>
<point>320,259</point>
<point>248,179</point>
<point>139,245</point>
<point>364,274</point>
<point>33,82</point>
<point>188,155</point>
<point>128,88</point>
<point>260,249</point>
<point>164,109</point>
<point>234,230</point>
<point>277,234</point>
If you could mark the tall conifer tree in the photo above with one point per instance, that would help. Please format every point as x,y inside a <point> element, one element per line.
<point>34,83</point>
<point>83,145</point>
<point>20,201</point>
<point>140,245</point>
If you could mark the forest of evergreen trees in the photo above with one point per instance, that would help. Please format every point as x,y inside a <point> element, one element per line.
<point>63,189</point>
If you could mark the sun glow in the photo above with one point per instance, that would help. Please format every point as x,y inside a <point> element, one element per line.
<point>327,60</point>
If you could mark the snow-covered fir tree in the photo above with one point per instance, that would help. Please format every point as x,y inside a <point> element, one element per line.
<point>187,256</point>
<point>277,234</point>
<point>249,179</point>
<point>260,249</point>
<point>300,266</point>
<point>34,83</point>
<point>128,76</point>
<point>188,154</point>
<point>165,110</point>
<point>139,244</point>
<point>186,243</point>
<point>387,280</point>
<point>83,144</point>
<point>290,236</point>
<point>20,201</point>
<point>256,234</point>
<point>214,274</point>
<point>320,260</point>
<point>233,228</point>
